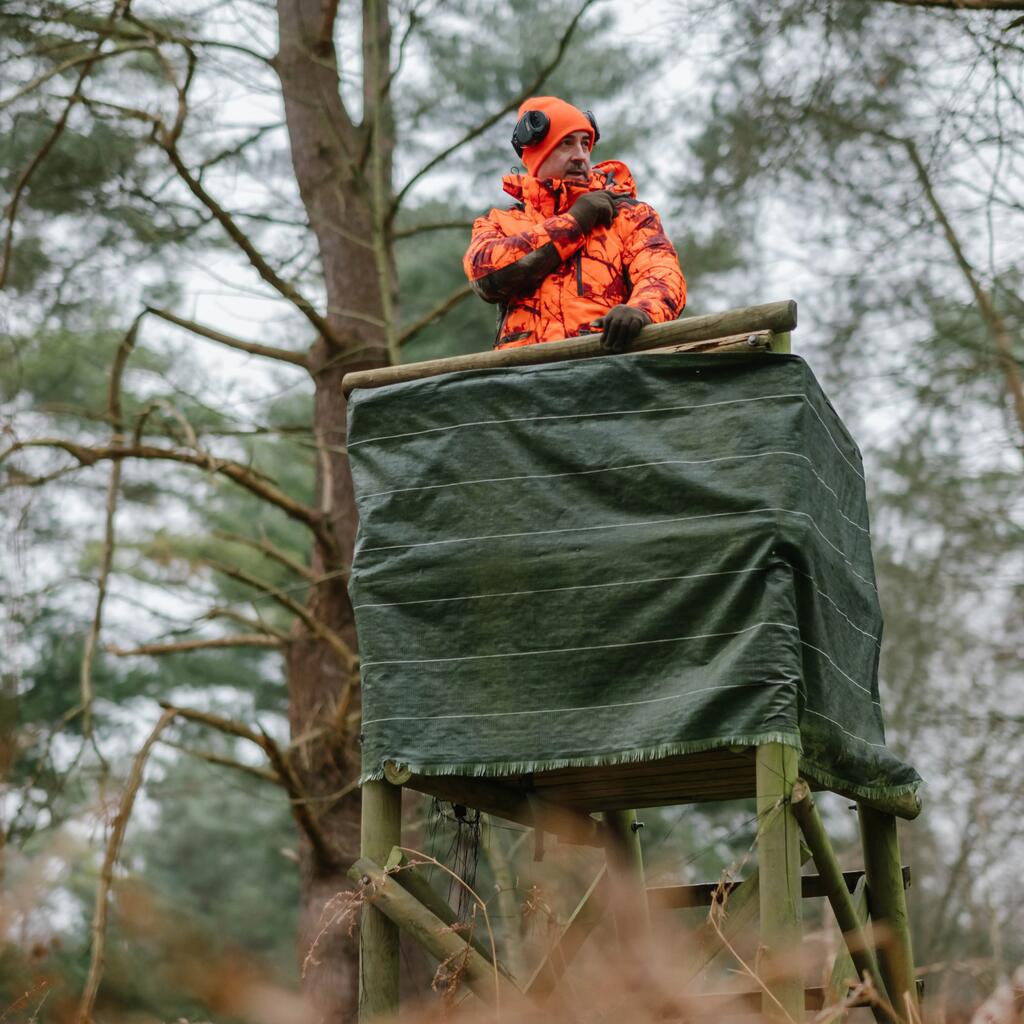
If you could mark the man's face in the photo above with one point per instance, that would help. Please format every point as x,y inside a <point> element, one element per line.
<point>570,159</point>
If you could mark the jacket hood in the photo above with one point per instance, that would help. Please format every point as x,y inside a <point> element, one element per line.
<point>555,195</point>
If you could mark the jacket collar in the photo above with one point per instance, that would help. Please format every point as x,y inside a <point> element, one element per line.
<point>545,198</point>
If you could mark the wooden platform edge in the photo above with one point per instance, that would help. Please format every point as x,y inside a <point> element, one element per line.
<point>695,333</point>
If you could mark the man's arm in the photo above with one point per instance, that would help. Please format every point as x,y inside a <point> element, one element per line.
<point>501,267</point>
<point>659,288</point>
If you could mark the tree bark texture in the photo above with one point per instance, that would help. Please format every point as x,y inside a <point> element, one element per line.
<point>332,159</point>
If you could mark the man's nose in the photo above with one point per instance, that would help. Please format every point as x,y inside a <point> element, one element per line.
<point>579,152</point>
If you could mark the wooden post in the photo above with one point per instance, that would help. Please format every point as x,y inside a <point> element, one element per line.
<point>838,894</point>
<point>378,937</point>
<point>888,905</point>
<point>626,871</point>
<point>778,857</point>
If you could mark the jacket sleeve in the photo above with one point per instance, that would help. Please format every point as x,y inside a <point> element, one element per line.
<point>501,266</point>
<point>659,288</point>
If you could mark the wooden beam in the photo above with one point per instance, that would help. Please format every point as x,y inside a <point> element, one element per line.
<point>437,938</point>
<point>380,831</point>
<point>778,858</point>
<point>887,903</point>
<point>698,331</point>
<point>562,952</point>
<point>626,867</point>
<point>504,801</point>
<point>856,939</point>
<point>686,897</point>
<point>404,871</point>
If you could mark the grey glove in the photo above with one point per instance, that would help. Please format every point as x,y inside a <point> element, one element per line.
<point>593,208</point>
<point>620,325</point>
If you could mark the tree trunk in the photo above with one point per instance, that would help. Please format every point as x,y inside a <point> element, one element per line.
<point>332,160</point>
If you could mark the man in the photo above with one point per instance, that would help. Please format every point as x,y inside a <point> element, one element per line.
<point>578,253</point>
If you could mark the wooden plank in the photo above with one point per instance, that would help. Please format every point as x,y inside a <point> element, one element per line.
<point>513,804</point>
<point>700,332</point>
<point>405,911</point>
<point>778,858</point>
<point>562,952</point>
<point>754,341</point>
<point>380,831</point>
<point>686,897</point>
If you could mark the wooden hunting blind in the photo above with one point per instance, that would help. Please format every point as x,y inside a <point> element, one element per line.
<point>585,584</point>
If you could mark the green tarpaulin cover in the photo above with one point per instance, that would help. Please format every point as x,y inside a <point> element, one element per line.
<point>611,560</point>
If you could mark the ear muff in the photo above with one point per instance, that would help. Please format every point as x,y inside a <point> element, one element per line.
<point>529,130</point>
<point>534,125</point>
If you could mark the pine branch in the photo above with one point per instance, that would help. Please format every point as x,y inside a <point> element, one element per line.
<point>444,306</point>
<point>266,547</point>
<point>513,104</point>
<point>253,348</point>
<point>211,644</point>
<point>48,143</point>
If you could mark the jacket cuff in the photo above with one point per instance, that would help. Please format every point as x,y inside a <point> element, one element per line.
<point>565,234</point>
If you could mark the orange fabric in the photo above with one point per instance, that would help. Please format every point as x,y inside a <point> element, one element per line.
<point>564,118</point>
<point>632,262</point>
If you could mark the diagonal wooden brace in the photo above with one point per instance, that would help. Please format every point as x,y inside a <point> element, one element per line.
<point>437,938</point>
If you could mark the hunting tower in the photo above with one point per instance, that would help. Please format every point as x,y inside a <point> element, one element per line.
<point>586,584</point>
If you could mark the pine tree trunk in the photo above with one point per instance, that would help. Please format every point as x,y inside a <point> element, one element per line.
<point>335,185</point>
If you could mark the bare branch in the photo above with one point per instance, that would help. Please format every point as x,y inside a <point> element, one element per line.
<point>444,306</point>
<point>244,476</point>
<point>256,625</point>
<point>997,327</point>
<point>964,5</point>
<point>211,644</point>
<point>298,799</point>
<point>513,104</point>
<point>114,412</point>
<point>253,348</point>
<point>101,910</point>
<point>226,762</point>
<point>349,659</point>
<point>92,59</point>
<point>444,225</point>
<point>242,240</point>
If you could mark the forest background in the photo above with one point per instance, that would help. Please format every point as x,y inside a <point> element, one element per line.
<point>212,210</point>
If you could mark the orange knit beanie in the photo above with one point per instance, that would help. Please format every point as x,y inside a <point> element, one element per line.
<point>564,118</point>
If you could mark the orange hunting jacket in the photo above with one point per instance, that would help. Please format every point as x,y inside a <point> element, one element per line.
<point>631,262</point>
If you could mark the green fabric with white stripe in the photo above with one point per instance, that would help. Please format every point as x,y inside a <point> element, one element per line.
<point>614,560</point>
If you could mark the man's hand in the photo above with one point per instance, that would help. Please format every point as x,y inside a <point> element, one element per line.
<point>619,326</point>
<point>593,208</point>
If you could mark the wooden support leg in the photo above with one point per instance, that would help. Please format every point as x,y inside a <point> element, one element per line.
<point>778,856</point>
<point>378,937</point>
<point>626,870</point>
<point>888,905</point>
<point>834,884</point>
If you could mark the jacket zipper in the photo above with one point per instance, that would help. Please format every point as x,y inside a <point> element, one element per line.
<point>579,272</point>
